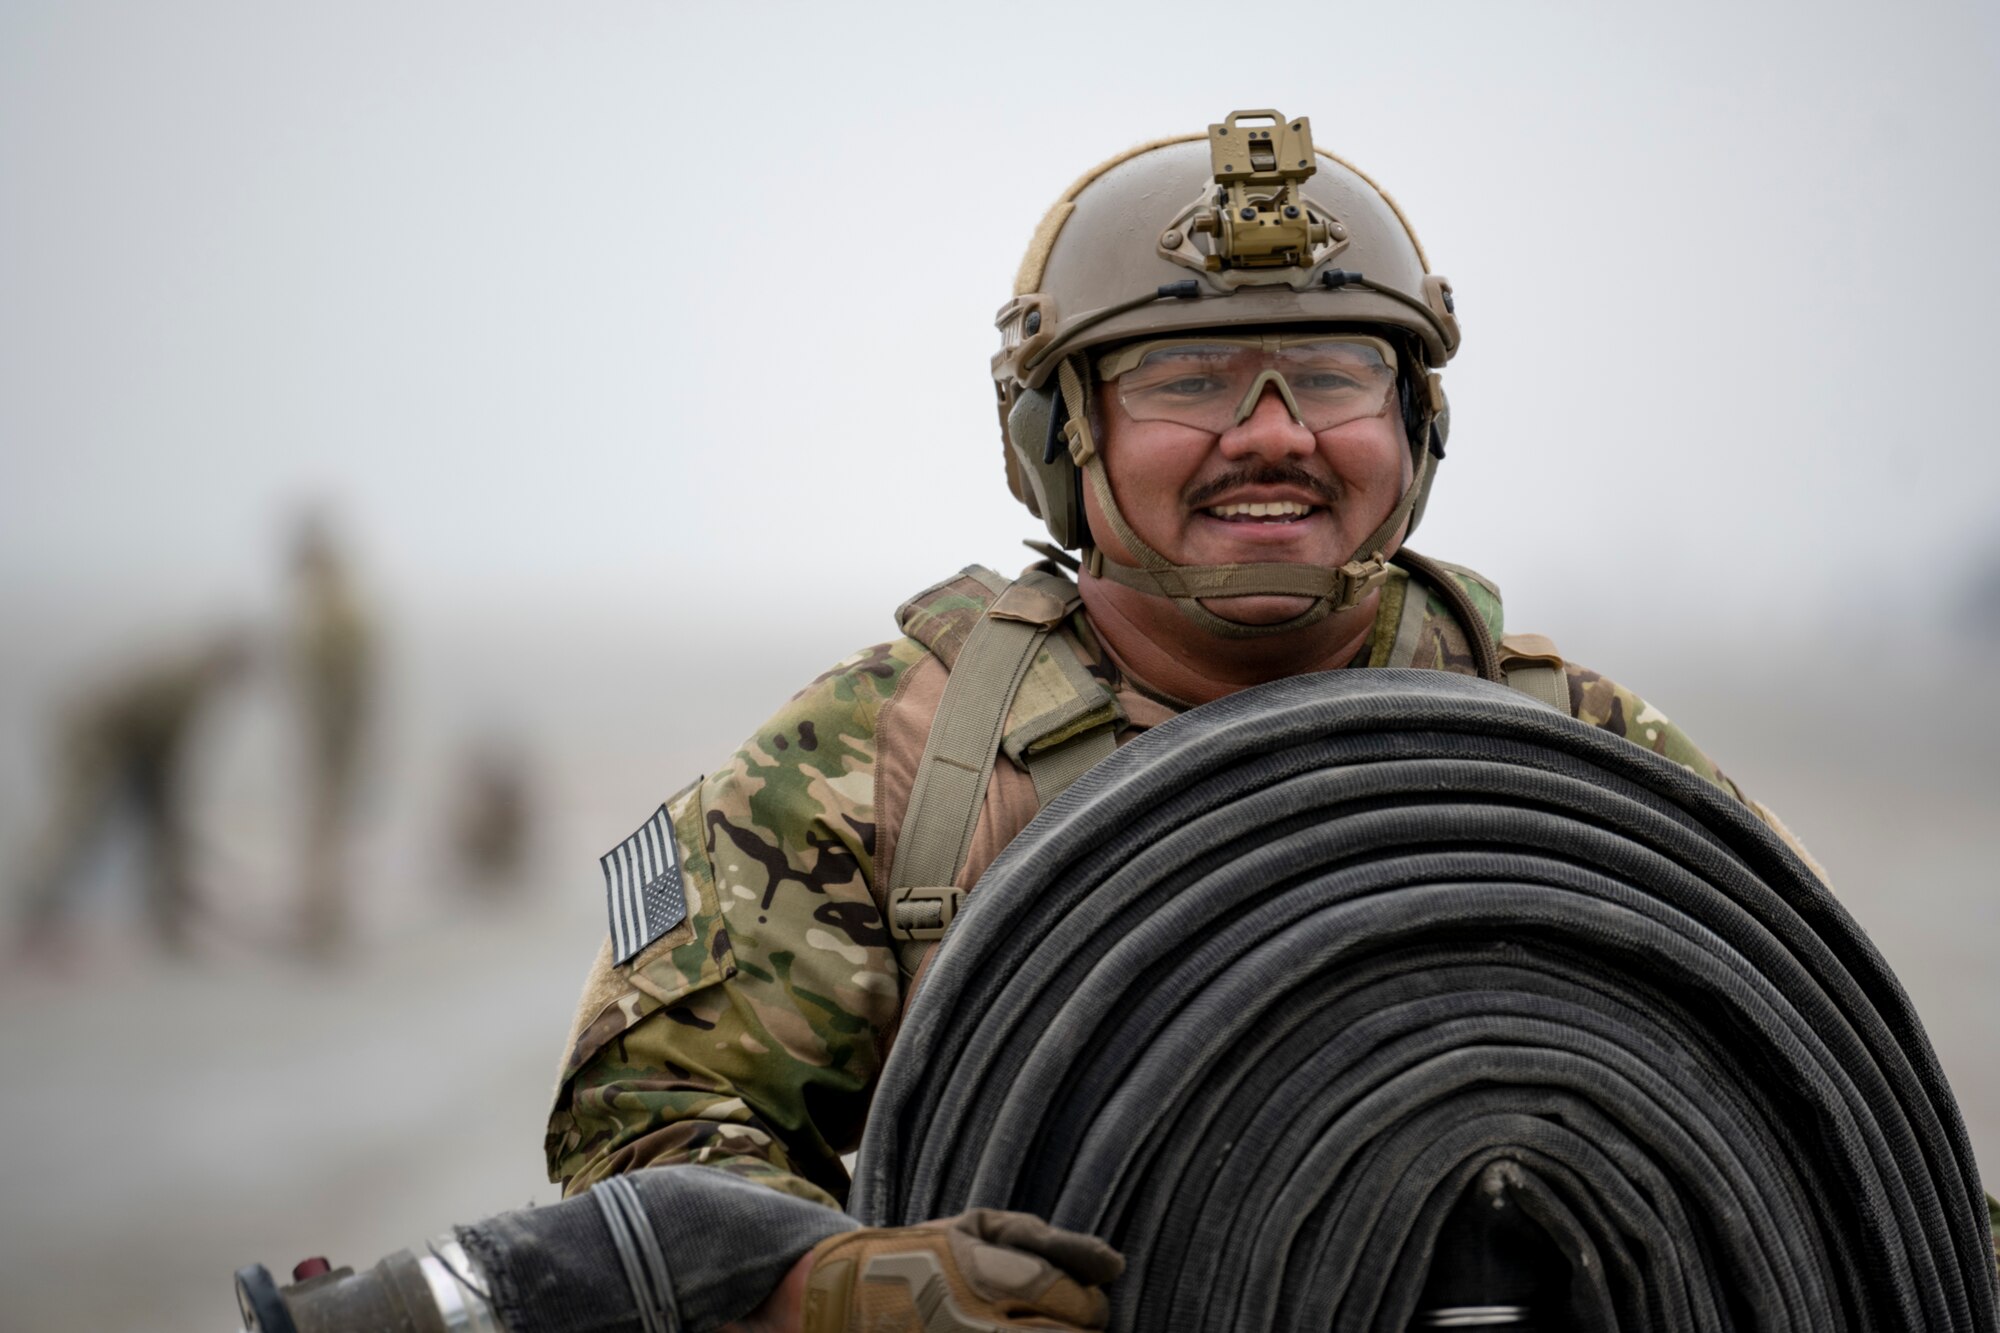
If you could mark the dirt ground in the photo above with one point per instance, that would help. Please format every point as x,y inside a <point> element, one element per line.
<point>166,1121</point>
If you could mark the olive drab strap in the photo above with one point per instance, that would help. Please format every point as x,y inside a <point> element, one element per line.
<point>1068,727</point>
<point>1055,768</point>
<point>1528,663</point>
<point>1532,665</point>
<point>958,759</point>
<point>1485,656</point>
<point>1017,688</point>
<point>1409,625</point>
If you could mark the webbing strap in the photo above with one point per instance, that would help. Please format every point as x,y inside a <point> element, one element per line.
<point>1270,580</point>
<point>1054,769</point>
<point>1485,656</point>
<point>959,754</point>
<point>1528,663</point>
<point>957,764</point>
<point>1532,665</point>
<point>1410,626</point>
<point>1544,684</point>
<point>1058,699</point>
<point>967,735</point>
<point>994,583</point>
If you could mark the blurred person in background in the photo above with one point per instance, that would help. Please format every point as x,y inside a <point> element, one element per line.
<point>125,748</point>
<point>333,659</point>
<point>492,816</point>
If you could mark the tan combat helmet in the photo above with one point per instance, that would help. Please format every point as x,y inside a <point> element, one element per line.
<point>1246,226</point>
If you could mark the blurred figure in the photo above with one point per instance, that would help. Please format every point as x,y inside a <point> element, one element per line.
<point>1980,601</point>
<point>125,747</point>
<point>333,656</point>
<point>492,820</point>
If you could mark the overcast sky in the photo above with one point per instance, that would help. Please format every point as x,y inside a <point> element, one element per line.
<point>658,305</point>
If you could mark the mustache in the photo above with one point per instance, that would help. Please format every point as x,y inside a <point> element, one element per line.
<point>1268,474</point>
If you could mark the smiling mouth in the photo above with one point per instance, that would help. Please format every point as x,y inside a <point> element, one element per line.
<point>1273,511</point>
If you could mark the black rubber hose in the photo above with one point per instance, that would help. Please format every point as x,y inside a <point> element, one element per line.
<point>1316,999</point>
<point>687,1247</point>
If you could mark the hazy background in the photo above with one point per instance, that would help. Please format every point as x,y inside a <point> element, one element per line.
<point>639,351</point>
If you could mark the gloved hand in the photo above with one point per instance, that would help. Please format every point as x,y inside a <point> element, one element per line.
<point>983,1271</point>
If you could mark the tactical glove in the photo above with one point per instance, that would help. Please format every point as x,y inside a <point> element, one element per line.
<point>983,1271</point>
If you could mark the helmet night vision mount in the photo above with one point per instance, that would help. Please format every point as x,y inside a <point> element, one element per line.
<point>1258,219</point>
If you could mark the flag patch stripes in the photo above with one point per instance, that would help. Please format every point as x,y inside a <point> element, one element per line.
<point>642,887</point>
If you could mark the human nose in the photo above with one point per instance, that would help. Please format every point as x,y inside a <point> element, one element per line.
<point>1270,431</point>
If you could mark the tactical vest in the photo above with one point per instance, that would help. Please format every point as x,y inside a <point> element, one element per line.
<point>1017,688</point>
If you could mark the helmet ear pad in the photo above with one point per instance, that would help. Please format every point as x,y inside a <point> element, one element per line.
<point>1039,467</point>
<point>1427,421</point>
<point>1426,418</point>
<point>1410,399</point>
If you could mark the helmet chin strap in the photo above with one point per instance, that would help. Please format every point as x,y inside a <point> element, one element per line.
<point>1337,589</point>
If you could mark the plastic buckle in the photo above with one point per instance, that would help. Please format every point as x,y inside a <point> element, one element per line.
<point>1081,448</point>
<point>920,912</point>
<point>1358,578</point>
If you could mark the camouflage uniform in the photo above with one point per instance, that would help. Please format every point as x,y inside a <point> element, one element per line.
<point>750,1036</point>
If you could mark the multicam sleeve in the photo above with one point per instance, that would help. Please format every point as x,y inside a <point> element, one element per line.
<point>1607,704</point>
<point>749,1039</point>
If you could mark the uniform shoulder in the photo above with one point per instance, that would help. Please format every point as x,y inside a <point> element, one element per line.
<point>858,683</point>
<point>816,753</point>
<point>795,799</point>
<point>941,617</point>
<point>1483,592</point>
<point>1604,703</point>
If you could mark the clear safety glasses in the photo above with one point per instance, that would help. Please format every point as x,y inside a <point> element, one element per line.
<point>1213,383</point>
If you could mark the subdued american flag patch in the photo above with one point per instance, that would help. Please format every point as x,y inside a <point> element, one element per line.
<point>642,886</point>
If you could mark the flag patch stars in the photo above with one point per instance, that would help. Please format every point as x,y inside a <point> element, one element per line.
<point>642,887</point>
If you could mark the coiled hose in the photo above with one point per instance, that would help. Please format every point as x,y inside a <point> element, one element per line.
<point>1387,999</point>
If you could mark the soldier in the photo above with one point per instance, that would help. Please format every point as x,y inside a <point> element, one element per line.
<point>127,747</point>
<point>493,816</point>
<point>1219,385</point>
<point>332,656</point>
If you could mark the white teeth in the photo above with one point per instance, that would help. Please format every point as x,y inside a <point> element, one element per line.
<point>1274,509</point>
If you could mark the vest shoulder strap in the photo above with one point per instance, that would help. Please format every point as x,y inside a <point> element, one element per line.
<point>1058,700</point>
<point>1015,688</point>
<point>1472,602</point>
<point>1525,662</point>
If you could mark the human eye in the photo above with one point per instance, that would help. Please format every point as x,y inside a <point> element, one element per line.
<point>1327,381</point>
<point>1178,378</point>
<point>1189,385</point>
<point>1336,373</point>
